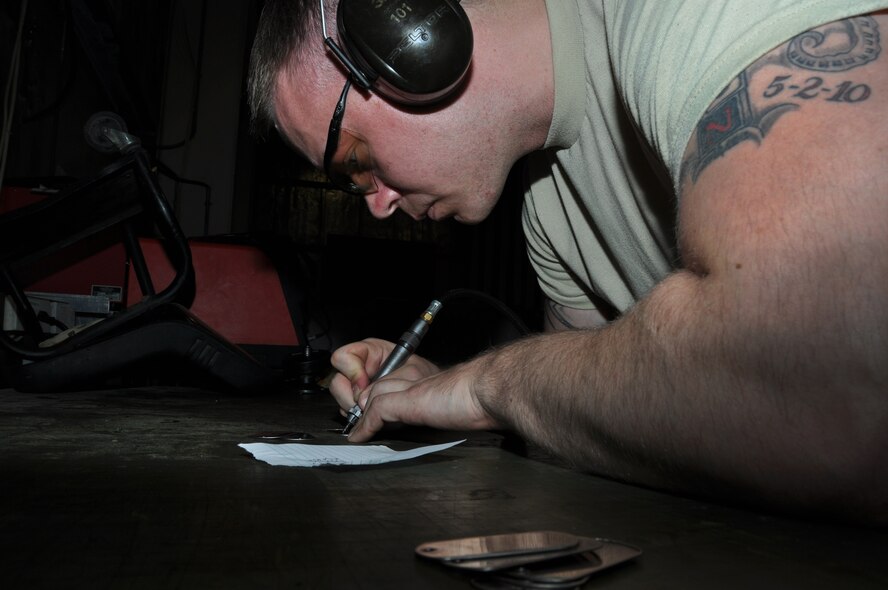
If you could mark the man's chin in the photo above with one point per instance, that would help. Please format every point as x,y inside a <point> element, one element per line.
<point>473,217</point>
<point>438,214</point>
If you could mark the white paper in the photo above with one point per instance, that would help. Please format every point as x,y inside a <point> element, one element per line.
<point>301,455</point>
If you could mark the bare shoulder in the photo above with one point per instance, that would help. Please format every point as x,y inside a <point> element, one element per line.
<point>834,64</point>
<point>804,122</point>
<point>783,233</point>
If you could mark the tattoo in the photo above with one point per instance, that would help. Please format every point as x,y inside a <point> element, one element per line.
<point>737,115</point>
<point>836,47</point>
<point>847,91</point>
<point>731,120</point>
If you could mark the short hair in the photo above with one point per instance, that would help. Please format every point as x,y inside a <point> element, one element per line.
<point>283,28</point>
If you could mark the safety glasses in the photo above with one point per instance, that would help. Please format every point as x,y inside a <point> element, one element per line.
<point>347,160</point>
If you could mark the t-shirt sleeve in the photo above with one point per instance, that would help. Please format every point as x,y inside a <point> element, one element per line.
<point>672,59</point>
<point>554,278</point>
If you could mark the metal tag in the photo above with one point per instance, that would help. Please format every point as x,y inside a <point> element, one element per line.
<point>493,564</point>
<point>494,546</point>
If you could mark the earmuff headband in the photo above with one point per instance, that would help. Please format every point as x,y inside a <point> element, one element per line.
<point>413,52</point>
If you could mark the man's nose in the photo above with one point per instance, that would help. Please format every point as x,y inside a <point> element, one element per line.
<point>383,202</point>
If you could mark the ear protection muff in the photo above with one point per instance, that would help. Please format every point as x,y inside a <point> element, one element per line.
<point>413,52</point>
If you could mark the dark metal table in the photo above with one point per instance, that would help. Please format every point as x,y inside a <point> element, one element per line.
<point>147,488</point>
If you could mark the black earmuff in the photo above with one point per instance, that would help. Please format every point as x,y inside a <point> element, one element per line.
<point>413,52</point>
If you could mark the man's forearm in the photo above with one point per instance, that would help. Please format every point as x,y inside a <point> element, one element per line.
<point>694,390</point>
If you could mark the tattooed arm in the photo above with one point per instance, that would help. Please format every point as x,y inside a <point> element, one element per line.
<point>814,66</point>
<point>784,231</point>
<point>758,372</point>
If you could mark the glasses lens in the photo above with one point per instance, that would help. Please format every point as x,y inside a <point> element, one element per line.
<point>352,166</point>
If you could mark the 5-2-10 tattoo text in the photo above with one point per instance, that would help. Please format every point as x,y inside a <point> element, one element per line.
<point>813,88</point>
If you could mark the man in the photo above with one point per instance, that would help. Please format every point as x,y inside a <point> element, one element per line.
<point>711,176</point>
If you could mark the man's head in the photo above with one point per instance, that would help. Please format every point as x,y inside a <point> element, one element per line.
<point>285,27</point>
<point>413,53</point>
<point>449,159</point>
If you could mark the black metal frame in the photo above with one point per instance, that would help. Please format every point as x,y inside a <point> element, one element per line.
<point>126,194</point>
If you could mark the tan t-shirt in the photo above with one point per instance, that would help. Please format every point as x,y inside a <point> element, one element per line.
<point>632,79</point>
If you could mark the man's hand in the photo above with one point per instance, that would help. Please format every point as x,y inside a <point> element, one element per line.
<point>358,361</point>
<point>418,395</point>
<point>354,362</point>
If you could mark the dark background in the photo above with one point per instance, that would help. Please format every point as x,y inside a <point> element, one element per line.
<point>175,71</point>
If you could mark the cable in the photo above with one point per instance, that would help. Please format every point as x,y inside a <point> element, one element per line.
<point>11,92</point>
<point>198,74</point>
<point>67,57</point>
<point>208,191</point>
<point>501,307</point>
